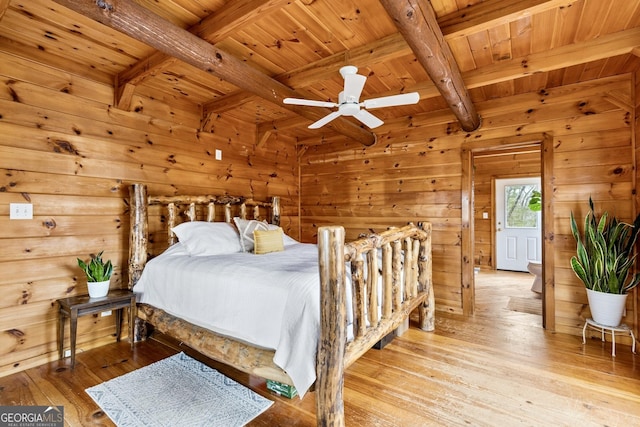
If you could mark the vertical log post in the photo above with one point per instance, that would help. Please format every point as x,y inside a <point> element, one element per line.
<point>332,341</point>
<point>171,222</point>
<point>396,281</point>
<point>211,212</point>
<point>227,213</point>
<point>191,212</point>
<point>373,277</point>
<point>139,234</point>
<point>275,211</point>
<point>358,295</point>
<point>387,281</point>
<point>427,309</point>
<point>138,245</point>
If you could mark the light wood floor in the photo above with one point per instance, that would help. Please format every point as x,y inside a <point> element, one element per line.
<point>499,368</point>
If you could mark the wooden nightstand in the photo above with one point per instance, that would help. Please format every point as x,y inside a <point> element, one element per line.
<point>78,306</point>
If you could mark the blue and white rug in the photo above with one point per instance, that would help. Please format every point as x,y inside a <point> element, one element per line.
<point>177,391</point>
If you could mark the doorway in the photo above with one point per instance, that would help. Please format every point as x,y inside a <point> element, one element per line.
<point>542,144</point>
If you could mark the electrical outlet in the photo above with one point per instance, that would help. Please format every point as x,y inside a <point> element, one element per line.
<point>105,313</point>
<point>20,211</point>
<point>218,154</point>
<point>67,353</point>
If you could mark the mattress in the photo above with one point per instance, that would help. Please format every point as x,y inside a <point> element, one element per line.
<point>270,300</point>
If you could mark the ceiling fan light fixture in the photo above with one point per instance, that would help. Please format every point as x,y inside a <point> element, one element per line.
<point>349,101</point>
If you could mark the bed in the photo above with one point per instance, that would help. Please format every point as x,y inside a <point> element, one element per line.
<point>368,288</point>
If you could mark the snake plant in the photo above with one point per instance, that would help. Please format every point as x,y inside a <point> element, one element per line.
<point>605,254</point>
<point>96,270</point>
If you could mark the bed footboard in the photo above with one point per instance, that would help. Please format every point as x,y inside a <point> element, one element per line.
<point>398,258</point>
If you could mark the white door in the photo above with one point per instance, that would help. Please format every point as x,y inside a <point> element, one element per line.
<point>518,228</point>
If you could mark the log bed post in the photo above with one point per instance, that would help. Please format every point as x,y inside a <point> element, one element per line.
<point>138,237</point>
<point>138,245</point>
<point>331,345</point>
<point>275,210</point>
<point>426,309</point>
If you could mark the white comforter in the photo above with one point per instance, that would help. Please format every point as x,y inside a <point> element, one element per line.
<point>270,300</point>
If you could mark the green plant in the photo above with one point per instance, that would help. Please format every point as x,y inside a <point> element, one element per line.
<point>535,201</point>
<point>96,270</point>
<point>605,254</point>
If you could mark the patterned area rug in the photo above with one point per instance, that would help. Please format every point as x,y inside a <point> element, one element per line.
<point>177,391</point>
<point>525,305</point>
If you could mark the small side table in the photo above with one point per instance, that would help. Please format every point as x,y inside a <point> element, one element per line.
<point>612,330</point>
<point>79,306</point>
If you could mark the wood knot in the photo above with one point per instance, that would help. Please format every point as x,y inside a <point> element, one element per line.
<point>104,5</point>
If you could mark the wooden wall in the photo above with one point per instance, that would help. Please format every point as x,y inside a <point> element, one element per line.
<point>67,151</point>
<point>487,167</point>
<point>414,173</point>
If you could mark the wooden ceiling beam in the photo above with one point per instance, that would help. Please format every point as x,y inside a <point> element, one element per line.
<point>215,27</point>
<point>417,22</point>
<point>489,14</point>
<point>141,24</point>
<point>470,20</point>
<point>4,5</point>
<point>620,43</point>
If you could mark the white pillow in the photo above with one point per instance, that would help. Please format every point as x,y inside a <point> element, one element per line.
<point>202,238</point>
<point>246,227</point>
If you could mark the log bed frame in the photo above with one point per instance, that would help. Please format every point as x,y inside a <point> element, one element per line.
<point>407,248</point>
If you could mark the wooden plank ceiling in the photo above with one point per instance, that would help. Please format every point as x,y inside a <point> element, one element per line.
<point>497,48</point>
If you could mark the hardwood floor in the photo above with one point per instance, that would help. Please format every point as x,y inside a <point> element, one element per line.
<point>498,368</point>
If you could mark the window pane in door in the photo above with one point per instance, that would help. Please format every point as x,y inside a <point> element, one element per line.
<point>517,213</point>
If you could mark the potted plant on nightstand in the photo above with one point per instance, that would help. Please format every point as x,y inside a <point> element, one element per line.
<point>98,274</point>
<point>604,261</point>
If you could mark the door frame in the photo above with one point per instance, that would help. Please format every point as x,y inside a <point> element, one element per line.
<point>545,142</point>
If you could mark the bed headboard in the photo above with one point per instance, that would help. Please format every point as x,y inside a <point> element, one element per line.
<point>177,209</point>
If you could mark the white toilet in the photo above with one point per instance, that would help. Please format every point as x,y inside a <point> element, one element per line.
<point>535,268</point>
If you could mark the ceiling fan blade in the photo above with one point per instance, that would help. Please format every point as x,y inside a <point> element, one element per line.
<point>353,85</point>
<point>393,100</point>
<point>309,102</point>
<point>326,119</point>
<point>368,119</point>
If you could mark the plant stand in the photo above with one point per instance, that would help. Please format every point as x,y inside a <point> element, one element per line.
<point>612,330</point>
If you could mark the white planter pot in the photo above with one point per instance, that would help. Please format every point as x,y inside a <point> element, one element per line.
<point>606,309</point>
<point>98,289</point>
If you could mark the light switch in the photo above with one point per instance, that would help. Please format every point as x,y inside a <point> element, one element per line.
<point>485,215</point>
<point>218,154</point>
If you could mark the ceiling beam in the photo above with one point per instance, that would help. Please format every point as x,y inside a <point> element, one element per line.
<point>417,22</point>
<point>143,25</point>
<point>469,20</point>
<point>615,44</point>
<point>607,46</point>
<point>215,27</point>
<point>4,5</point>
<point>491,13</point>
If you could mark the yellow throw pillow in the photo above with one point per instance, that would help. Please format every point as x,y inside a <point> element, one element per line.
<point>268,241</point>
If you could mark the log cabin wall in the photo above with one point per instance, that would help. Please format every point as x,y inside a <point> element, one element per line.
<point>65,149</point>
<point>414,173</point>
<point>486,168</point>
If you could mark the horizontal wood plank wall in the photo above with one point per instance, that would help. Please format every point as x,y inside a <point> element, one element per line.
<point>486,168</point>
<point>68,151</point>
<point>414,171</point>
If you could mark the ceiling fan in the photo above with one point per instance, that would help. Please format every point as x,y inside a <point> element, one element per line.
<point>349,101</point>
